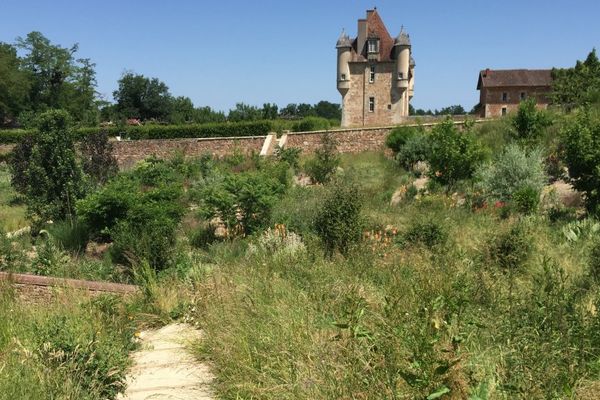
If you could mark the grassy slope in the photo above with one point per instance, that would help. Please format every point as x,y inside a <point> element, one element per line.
<point>393,322</point>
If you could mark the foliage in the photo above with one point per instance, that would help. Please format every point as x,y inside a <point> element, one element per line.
<point>244,112</point>
<point>511,248</point>
<point>338,222</point>
<point>414,150</point>
<point>573,87</point>
<point>398,137</point>
<point>143,98</point>
<point>594,261</point>
<point>290,155</point>
<point>529,122</point>
<point>53,179</point>
<point>581,140</point>
<point>453,155</point>
<point>97,157</point>
<point>19,162</point>
<point>243,202</point>
<point>428,232</point>
<point>14,85</point>
<point>71,236</point>
<point>311,124</point>
<point>514,169</point>
<point>526,199</point>
<point>323,165</point>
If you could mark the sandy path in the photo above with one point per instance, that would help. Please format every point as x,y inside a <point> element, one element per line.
<point>164,369</point>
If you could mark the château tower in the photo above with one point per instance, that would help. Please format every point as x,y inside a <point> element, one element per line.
<point>375,74</point>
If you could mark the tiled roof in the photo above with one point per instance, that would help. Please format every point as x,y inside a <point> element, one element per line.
<point>376,28</point>
<point>514,77</point>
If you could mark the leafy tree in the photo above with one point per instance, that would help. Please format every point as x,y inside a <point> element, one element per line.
<point>575,86</point>
<point>322,167</point>
<point>97,157</point>
<point>143,98</point>
<point>290,111</point>
<point>325,109</point>
<point>453,155</point>
<point>182,111</point>
<point>207,114</point>
<point>269,111</point>
<point>452,110</point>
<point>58,80</point>
<point>529,122</point>
<point>305,110</point>
<point>53,179</point>
<point>19,161</point>
<point>244,112</point>
<point>581,140</point>
<point>14,85</point>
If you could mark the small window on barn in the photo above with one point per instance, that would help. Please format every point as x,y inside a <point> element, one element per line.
<point>523,95</point>
<point>503,111</point>
<point>504,96</point>
<point>371,104</point>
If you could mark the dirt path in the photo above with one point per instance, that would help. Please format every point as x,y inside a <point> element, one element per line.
<point>164,369</point>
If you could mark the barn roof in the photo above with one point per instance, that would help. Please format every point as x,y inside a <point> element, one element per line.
<point>514,77</point>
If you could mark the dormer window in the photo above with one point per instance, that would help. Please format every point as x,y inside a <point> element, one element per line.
<point>373,46</point>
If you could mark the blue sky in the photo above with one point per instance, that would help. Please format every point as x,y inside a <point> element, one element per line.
<point>226,51</point>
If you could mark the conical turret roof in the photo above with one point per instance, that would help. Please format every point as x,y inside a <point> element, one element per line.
<point>403,39</point>
<point>344,40</point>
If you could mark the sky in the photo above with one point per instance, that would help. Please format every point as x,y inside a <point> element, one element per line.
<point>223,52</point>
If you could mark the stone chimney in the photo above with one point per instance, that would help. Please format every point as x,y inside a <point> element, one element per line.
<point>362,36</point>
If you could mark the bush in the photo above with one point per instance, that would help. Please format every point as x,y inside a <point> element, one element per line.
<point>453,155</point>
<point>510,249</point>
<point>529,122</point>
<point>311,124</point>
<point>513,170</point>
<point>290,155</point>
<point>338,222</point>
<point>594,261</point>
<point>581,141</point>
<point>71,236</point>
<point>399,136</point>
<point>526,200</point>
<point>202,236</point>
<point>414,150</point>
<point>97,158</point>
<point>429,233</point>
<point>322,167</point>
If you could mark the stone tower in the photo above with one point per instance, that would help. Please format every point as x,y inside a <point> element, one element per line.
<point>375,74</point>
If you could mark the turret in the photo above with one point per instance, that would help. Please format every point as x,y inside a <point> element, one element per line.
<point>344,50</point>
<point>411,81</point>
<point>402,50</point>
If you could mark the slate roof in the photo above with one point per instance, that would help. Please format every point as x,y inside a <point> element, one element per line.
<point>514,77</point>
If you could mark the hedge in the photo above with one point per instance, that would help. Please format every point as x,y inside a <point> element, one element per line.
<point>210,130</point>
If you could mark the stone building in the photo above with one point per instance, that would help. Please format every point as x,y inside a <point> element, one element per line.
<point>375,74</point>
<point>501,91</point>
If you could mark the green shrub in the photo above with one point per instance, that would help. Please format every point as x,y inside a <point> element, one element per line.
<point>453,155</point>
<point>338,222</point>
<point>430,233</point>
<point>510,249</point>
<point>581,140</point>
<point>529,122</point>
<point>414,150</point>
<point>398,137</point>
<point>202,236</point>
<point>513,170</point>
<point>97,157</point>
<point>526,200</point>
<point>323,165</point>
<point>311,124</point>
<point>290,155</point>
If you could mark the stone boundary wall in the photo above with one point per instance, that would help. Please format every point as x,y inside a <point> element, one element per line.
<point>350,140</point>
<point>39,289</point>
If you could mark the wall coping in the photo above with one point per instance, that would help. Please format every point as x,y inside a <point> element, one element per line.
<point>190,139</point>
<point>376,128</point>
<point>48,281</point>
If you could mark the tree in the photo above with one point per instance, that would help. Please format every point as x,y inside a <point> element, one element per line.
<point>289,112</point>
<point>53,179</point>
<point>452,110</point>
<point>58,80</point>
<point>143,98</point>
<point>14,85</point>
<point>529,122</point>
<point>572,87</point>
<point>453,155</point>
<point>207,114</point>
<point>581,140</point>
<point>182,110</point>
<point>325,109</point>
<point>269,111</point>
<point>97,158</point>
<point>244,112</point>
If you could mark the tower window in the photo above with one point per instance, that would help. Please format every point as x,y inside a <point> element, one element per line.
<point>372,74</point>
<point>400,76</point>
<point>343,77</point>
<point>373,46</point>
<point>371,104</point>
<point>504,96</point>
